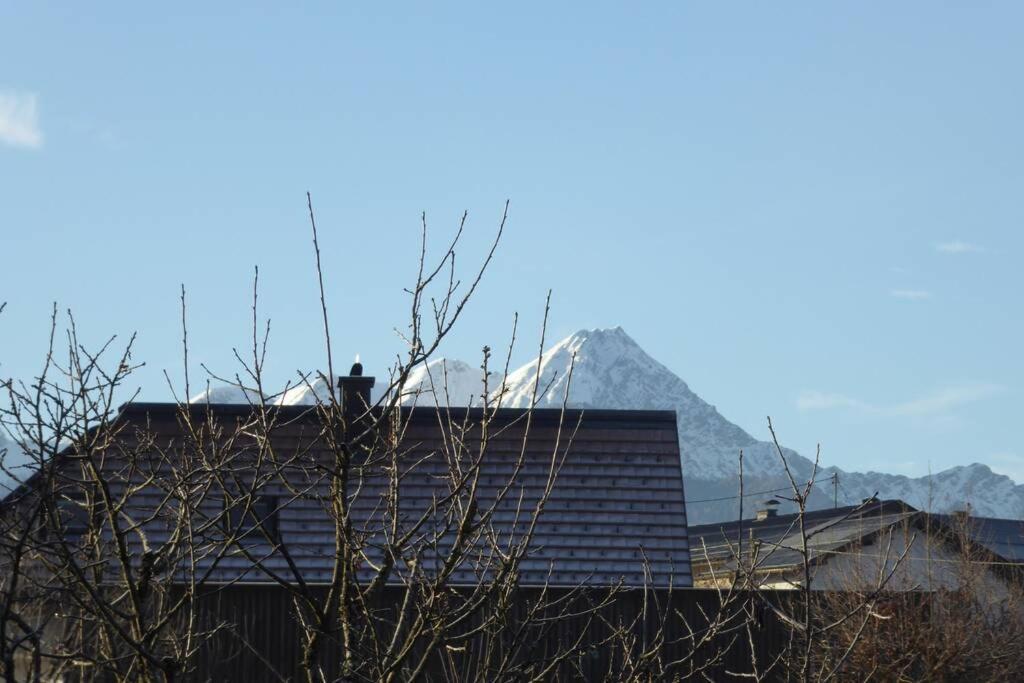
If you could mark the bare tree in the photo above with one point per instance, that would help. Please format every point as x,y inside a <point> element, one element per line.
<point>125,531</point>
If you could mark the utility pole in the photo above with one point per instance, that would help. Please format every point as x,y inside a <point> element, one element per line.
<point>835,489</point>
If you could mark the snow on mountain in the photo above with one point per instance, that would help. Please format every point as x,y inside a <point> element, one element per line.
<point>13,459</point>
<point>7,447</point>
<point>445,382</point>
<point>612,371</point>
<point>225,393</point>
<point>973,486</point>
<point>306,392</point>
<point>441,381</point>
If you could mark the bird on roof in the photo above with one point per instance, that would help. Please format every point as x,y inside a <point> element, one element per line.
<point>357,368</point>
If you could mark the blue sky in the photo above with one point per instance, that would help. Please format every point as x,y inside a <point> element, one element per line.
<point>807,211</point>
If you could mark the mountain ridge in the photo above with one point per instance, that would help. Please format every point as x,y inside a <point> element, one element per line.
<point>610,370</point>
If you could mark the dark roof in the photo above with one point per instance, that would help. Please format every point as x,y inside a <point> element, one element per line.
<point>778,537</point>
<point>1002,537</point>
<point>618,497</point>
<point>425,413</point>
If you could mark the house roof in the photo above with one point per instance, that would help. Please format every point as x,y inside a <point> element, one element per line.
<point>778,538</point>
<point>619,496</point>
<point>1002,537</point>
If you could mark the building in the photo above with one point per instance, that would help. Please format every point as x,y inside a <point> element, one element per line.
<point>849,548</point>
<point>616,511</point>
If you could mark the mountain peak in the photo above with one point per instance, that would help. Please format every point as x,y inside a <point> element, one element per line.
<point>599,332</point>
<point>609,370</point>
<point>606,335</point>
<point>593,348</point>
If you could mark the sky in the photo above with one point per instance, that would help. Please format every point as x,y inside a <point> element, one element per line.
<point>810,211</point>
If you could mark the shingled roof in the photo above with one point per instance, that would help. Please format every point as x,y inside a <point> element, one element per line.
<point>1004,538</point>
<point>618,499</point>
<point>777,537</point>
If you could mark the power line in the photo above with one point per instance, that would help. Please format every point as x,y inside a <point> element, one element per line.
<point>745,495</point>
<point>754,493</point>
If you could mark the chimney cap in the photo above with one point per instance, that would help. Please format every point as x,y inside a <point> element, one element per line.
<point>963,511</point>
<point>355,390</point>
<point>770,509</point>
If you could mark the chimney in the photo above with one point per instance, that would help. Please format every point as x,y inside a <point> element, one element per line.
<point>355,391</point>
<point>770,509</point>
<point>962,514</point>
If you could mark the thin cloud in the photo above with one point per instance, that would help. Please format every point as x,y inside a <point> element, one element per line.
<point>940,402</point>
<point>19,120</point>
<point>958,247</point>
<point>946,399</point>
<point>817,400</point>
<point>910,294</point>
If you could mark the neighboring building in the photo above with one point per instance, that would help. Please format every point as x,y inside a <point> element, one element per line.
<point>850,547</point>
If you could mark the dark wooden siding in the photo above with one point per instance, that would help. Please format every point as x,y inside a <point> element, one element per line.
<point>263,637</point>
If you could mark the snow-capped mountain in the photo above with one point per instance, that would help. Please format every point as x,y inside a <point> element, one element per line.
<point>610,370</point>
<point>225,393</point>
<point>441,381</point>
<point>306,391</point>
<point>987,493</point>
<point>445,381</point>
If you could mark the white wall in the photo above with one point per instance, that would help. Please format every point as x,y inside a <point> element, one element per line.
<point>929,564</point>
